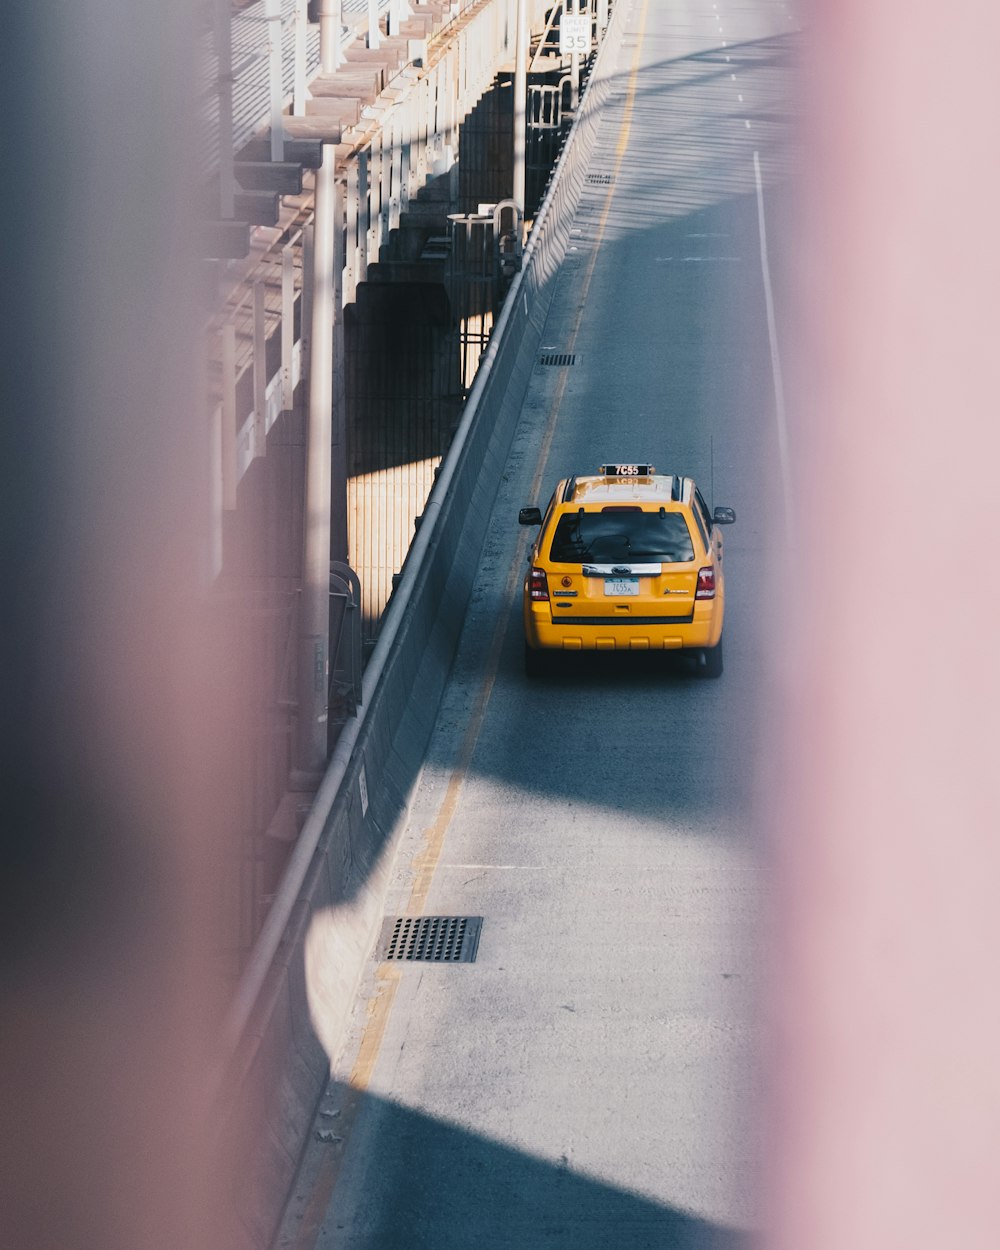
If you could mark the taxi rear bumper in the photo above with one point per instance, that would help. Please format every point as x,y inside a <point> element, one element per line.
<point>543,632</point>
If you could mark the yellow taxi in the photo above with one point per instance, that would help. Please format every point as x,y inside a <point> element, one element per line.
<point>629,560</point>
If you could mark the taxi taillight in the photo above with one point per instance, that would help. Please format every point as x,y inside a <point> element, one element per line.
<point>706,584</point>
<point>538,585</point>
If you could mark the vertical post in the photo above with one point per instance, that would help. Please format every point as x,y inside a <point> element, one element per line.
<point>272,9</point>
<point>452,88</point>
<point>374,33</point>
<point>287,325</point>
<point>216,529</point>
<point>339,543</point>
<point>375,203</point>
<point>405,151</point>
<point>574,7</point>
<point>434,138</point>
<point>352,206</point>
<point>423,130</point>
<point>385,181</point>
<point>299,90</point>
<point>314,616</point>
<point>396,159</point>
<point>228,442</point>
<point>314,619</point>
<point>520,102</point>
<point>308,281</point>
<point>328,12</point>
<point>365,216</point>
<point>259,372</point>
<point>224,58</point>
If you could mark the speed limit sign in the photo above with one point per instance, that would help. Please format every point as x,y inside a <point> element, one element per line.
<point>574,34</point>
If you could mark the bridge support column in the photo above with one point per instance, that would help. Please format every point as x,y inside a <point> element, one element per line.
<point>520,101</point>
<point>314,616</point>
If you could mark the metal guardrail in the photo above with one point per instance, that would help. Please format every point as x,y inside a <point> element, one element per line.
<point>484,253</point>
<point>345,691</point>
<point>238,52</point>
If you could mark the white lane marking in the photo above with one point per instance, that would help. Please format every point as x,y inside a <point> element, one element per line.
<point>772,333</point>
<point>746,123</point>
<point>696,260</point>
<point>504,867</point>
<point>740,97</point>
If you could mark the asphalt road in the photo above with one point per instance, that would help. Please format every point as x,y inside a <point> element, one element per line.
<point>592,1079</point>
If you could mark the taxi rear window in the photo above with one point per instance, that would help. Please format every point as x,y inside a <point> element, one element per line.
<point>618,536</point>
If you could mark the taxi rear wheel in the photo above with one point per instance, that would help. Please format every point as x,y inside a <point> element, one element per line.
<point>711,661</point>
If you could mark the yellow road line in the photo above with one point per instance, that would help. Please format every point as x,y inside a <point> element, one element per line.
<point>426,862</point>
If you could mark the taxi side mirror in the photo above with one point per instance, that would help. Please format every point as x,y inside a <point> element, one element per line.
<point>529,516</point>
<point>723,516</point>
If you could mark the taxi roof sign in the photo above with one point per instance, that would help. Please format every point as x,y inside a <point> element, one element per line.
<point>627,470</point>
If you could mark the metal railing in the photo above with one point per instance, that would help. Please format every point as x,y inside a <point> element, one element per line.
<point>346,661</point>
<point>258,60</point>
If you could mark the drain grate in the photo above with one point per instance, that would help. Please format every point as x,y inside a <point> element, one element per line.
<point>566,358</point>
<point>431,939</point>
<point>598,180</point>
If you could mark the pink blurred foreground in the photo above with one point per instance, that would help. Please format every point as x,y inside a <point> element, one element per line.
<point>885,1008</point>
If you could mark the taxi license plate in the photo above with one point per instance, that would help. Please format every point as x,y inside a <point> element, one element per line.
<point>619,586</point>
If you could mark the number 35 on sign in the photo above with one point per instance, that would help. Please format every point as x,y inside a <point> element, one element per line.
<point>574,34</point>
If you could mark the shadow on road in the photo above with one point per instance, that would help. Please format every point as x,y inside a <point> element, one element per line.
<point>426,1183</point>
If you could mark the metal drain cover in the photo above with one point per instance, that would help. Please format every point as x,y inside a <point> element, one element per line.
<point>599,180</point>
<point>430,939</point>
<point>565,358</point>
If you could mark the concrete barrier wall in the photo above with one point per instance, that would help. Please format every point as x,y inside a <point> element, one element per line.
<point>292,1008</point>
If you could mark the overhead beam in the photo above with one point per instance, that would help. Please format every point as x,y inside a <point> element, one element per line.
<point>305,152</point>
<point>259,208</point>
<point>280,176</point>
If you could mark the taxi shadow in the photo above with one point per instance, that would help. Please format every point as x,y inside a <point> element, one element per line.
<point>620,669</point>
<point>421,1182</point>
<point>683,743</point>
